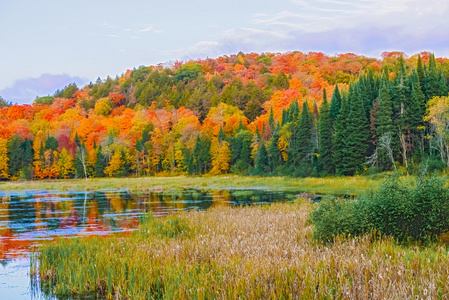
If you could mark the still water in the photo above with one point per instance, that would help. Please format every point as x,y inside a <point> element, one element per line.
<point>29,219</point>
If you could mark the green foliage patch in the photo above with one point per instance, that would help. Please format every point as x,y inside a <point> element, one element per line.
<point>419,213</point>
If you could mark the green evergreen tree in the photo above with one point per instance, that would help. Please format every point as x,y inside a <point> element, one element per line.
<point>285,117</point>
<point>300,147</point>
<point>100,163</point>
<point>339,140</point>
<point>201,159</point>
<point>357,140</point>
<point>274,152</point>
<point>221,135</point>
<point>421,75</point>
<point>15,155</point>
<point>385,126</point>
<point>325,130</point>
<point>240,146</point>
<point>293,111</point>
<point>262,161</point>
<point>51,143</point>
<point>335,103</point>
<point>271,118</point>
<point>433,79</point>
<point>443,86</point>
<point>81,162</point>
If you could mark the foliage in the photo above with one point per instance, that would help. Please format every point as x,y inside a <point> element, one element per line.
<point>154,115</point>
<point>396,209</point>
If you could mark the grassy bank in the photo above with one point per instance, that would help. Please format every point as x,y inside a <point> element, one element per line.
<point>250,253</point>
<point>330,185</point>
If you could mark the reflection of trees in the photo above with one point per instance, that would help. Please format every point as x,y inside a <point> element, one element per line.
<point>100,212</point>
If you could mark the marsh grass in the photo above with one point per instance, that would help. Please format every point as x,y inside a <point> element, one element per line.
<point>257,252</point>
<point>329,185</point>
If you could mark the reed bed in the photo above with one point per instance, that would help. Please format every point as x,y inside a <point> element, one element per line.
<point>241,253</point>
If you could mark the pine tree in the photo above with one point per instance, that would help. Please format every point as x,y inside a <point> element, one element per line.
<point>325,130</point>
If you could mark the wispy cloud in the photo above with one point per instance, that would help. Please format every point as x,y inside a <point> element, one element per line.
<point>26,90</point>
<point>150,28</point>
<point>368,27</point>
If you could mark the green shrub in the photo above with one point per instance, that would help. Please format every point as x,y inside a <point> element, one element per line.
<point>397,210</point>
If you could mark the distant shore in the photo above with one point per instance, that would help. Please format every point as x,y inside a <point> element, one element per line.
<point>328,185</point>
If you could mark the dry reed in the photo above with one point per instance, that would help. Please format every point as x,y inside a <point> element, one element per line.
<point>249,253</point>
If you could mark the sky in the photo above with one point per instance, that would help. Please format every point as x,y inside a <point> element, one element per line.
<point>48,44</point>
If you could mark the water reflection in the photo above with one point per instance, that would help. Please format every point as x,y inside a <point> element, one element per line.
<point>28,219</point>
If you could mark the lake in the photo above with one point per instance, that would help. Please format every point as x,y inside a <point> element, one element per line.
<point>32,218</point>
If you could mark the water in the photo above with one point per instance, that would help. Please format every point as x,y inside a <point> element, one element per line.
<point>27,220</point>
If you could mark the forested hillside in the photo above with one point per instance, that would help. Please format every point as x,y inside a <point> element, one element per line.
<point>291,114</point>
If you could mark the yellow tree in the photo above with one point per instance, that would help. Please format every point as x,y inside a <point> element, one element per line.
<point>3,159</point>
<point>437,114</point>
<point>38,145</point>
<point>220,161</point>
<point>115,166</point>
<point>66,164</point>
<point>103,107</point>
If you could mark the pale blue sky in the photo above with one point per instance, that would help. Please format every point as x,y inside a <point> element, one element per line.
<point>48,44</point>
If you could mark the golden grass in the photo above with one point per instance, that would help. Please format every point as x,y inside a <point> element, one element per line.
<point>249,253</point>
<point>329,185</point>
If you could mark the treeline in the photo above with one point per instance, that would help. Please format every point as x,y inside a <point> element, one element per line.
<point>289,114</point>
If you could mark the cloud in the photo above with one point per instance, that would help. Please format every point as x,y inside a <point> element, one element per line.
<point>150,29</point>
<point>366,27</point>
<point>26,90</point>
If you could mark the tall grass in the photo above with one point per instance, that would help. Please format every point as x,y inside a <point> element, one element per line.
<point>250,253</point>
<point>329,185</point>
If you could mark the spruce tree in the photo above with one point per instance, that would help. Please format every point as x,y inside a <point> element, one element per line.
<point>293,111</point>
<point>385,126</point>
<point>271,118</point>
<point>274,152</point>
<point>325,130</point>
<point>433,79</point>
<point>339,140</point>
<point>100,163</point>
<point>443,89</point>
<point>15,155</point>
<point>357,140</point>
<point>421,75</point>
<point>221,135</point>
<point>335,104</point>
<point>262,161</point>
<point>285,117</point>
<point>201,155</point>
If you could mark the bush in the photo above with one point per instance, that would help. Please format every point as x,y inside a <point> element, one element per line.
<point>397,210</point>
